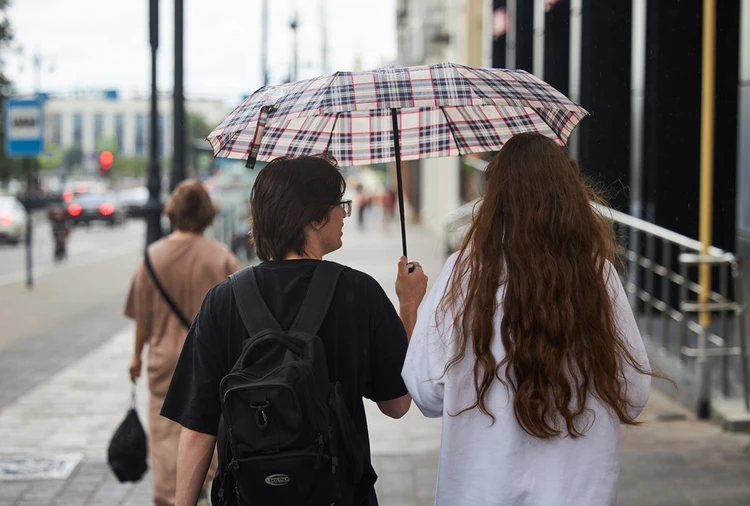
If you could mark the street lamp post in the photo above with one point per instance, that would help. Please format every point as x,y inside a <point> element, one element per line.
<point>294,24</point>
<point>178,109</point>
<point>153,207</point>
<point>264,42</point>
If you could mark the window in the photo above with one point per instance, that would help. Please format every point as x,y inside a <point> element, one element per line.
<point>120,131</point>
<point>78,129</point>
<point>98,126</point>
<point>56,125</point>
<point>140,134</point>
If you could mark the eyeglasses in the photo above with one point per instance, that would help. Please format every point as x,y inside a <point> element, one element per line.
<point>346,205</point>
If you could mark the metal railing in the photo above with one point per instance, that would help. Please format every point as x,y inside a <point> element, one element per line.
<point>667,300</point>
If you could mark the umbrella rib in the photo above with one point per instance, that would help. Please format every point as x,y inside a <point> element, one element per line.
<point>552,127</point>
<point>476,90</point>
<point>450,129</point>
<point>330,137</point>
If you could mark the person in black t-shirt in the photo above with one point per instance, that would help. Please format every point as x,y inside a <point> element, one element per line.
<point>297,218</point>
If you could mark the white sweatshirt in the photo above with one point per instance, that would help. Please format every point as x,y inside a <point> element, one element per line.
<point>491,465</point>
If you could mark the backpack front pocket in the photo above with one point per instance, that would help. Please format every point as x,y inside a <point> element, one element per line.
<point>303,478</point>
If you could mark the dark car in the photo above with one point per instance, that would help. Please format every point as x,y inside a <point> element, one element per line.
<point>90,207</point>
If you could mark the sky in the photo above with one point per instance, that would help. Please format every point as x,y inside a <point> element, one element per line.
<point>97,44</point>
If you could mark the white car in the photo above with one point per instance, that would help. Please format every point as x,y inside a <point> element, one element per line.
<point>13,219</point>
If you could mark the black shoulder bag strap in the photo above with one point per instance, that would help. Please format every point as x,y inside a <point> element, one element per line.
<point>255,314</point>
<point>318,299</point>
<point>176,310</point>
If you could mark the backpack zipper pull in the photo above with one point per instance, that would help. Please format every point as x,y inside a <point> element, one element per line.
<point>334,451</point>
<point>321,444</point>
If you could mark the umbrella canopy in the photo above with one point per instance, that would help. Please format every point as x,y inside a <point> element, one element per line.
<point>442,110</point>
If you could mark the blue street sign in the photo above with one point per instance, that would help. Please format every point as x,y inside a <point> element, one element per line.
<point>24,127</point>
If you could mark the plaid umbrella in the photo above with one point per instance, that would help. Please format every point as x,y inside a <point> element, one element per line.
<point>394,114</point>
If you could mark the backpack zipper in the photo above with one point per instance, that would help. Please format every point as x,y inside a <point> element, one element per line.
<point>319,460</point>
<point>228,417</point>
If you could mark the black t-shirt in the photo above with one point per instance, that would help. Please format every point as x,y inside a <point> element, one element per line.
<point>363,336</point>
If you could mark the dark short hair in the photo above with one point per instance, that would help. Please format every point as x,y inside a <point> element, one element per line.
<point>289,194</point>
<point>190,208</point>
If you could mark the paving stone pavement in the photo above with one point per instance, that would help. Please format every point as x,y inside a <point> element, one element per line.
<point>76,409</point>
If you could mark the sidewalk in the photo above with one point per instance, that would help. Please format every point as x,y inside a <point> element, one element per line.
<point>671,459</point>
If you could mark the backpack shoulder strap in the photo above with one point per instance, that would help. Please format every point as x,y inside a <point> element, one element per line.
<point>318,298</point>
<point>255,314</point>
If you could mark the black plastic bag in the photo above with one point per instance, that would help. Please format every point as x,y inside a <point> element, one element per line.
<point>128,449</point>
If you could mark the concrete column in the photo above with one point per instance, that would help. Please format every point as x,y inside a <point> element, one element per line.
<point>539,19</point>
<point>743,167</point>
<point>637,97</point>
<point>128,141</point>
<point>88,143</point>
<point>574,70</point>
<point>66,136</point>
<point>475,35</point>
<point>440,182</point>
<point>510,34</point>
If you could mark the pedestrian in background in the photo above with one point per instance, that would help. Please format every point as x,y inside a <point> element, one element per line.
<point>187,265</point>
<point>363,202</point>
<point>388,202</point>
<point>61,226</point>
<point>298,211</point>
<point>527,346</point>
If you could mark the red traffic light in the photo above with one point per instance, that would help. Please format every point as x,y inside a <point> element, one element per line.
<point>106,159</point>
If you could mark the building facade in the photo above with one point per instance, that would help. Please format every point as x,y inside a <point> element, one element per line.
<point>434,31</point>
<point>95,119</point>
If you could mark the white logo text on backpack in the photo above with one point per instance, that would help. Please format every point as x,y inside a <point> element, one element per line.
<point>278,480</point>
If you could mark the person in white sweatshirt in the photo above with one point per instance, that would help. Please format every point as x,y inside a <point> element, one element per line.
<point>526,345</point>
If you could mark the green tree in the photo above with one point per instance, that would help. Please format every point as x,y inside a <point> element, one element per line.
<point>106,143</point>
<point>8,167</point>
<point>72,158</point>
<point>197,127</point>
<point>136,166</point>
<point>52,158</point>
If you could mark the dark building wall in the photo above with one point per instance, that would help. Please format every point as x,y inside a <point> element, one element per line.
<point>525,35</point>
<point>727,117</point>
<point>604,146</point>
<point>557,46</point>
<point>673,117</point>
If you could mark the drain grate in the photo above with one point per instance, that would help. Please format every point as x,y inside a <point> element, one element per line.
<point>57,467</point>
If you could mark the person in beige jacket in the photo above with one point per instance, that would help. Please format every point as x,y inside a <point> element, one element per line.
<point>188,265</point>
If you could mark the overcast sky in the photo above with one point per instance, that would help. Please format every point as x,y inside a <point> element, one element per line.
<point>94,44</point>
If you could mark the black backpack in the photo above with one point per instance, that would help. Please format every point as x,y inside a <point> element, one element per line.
<point>286,437</point>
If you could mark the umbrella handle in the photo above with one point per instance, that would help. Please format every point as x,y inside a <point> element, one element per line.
<point>397,149</point>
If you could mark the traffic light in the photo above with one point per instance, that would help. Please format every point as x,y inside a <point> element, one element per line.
<point>106,159</point>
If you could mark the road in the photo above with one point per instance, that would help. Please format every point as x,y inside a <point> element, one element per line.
<point>85,244</point>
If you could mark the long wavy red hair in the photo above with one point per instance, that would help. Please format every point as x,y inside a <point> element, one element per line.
<point>536,233</point>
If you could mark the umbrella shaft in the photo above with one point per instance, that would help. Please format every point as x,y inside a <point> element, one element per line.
<point>397,148</point>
